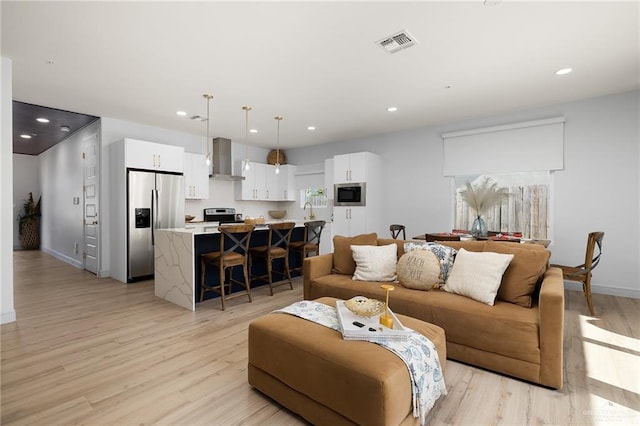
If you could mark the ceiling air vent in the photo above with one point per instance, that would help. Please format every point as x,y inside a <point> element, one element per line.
<point>198,117</point>
<point>396,42</point>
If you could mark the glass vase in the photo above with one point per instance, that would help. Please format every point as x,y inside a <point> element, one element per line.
<point>479,227</point>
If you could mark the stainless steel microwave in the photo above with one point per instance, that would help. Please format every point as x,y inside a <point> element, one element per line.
<point>350,194</point>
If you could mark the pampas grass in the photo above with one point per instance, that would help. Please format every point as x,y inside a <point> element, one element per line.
<point>482,194</point>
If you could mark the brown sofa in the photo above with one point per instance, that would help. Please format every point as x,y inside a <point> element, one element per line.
<point>523,342</point>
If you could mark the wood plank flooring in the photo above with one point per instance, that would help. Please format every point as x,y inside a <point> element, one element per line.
<point>98,352</point>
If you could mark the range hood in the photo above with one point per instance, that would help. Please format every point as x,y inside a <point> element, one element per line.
<point>222,162</point>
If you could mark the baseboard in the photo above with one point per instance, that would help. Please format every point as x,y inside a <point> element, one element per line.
<point>70,260</point>
<point>598,289</point>
<point>7,317</point>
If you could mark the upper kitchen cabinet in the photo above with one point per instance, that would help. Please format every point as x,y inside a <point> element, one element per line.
<point>196,176</point>
<point>351,167</point>
<point>261,183</point>
<point>286,184</point>
<point>328,178</point>
<point>153,156</point>
<point>254,185</point>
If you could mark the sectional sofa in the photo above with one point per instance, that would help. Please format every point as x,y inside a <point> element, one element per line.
<point>521,335</point>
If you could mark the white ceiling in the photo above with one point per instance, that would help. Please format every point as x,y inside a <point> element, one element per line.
<point>315,63</point>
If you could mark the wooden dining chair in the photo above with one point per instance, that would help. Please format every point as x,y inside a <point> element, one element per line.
<point>582,273</point>
<point>234,246</point>
<point>396,230</point>
<point>277,248</point>
<point>310,243</point>
<point>441,237</point>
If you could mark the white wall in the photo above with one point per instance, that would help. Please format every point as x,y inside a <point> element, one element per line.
<point>26,178</point>
<point>61,179</point>
<point>7,312</point>
<point>598,190</point>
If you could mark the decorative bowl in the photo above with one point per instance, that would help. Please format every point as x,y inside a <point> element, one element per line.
<point>364,307</point>
<point>277,214</point>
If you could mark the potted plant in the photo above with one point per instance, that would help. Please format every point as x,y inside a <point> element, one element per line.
<point>481,195</point>
<point>29,224</point>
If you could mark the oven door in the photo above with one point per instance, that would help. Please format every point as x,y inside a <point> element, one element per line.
<point>349,194</point>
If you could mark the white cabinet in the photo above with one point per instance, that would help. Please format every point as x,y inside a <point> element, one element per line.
<point>196,176</point>
<point>356,168</point>
<point>328,178</point>
<point>261,183</point>
<point>351,167</point>
<point>269,190</point>
<point>153,156</point>
<point>286,184</point>
<point>349,221</point>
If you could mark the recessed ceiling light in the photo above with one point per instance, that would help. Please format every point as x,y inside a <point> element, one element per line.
<point>253,131</point>
<point>564,71</point>
<point>181,113</point>
<point>25,136</point>
<point>311,128</point>
<point>392,109</point>
<point>448,86</point>
<point>42,120</point>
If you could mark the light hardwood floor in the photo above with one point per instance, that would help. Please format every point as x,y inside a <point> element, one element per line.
<point>98,352</point>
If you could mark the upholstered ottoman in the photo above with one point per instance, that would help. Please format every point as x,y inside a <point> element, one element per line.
<point>312,371</point>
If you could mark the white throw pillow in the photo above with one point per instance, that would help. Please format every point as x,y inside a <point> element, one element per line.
<point>477,275</point>
<point>375,263</point>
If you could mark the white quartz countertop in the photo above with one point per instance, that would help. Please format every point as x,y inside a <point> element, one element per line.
<point>212,227</point>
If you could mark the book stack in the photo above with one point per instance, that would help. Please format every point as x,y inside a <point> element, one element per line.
<point>355,327</point>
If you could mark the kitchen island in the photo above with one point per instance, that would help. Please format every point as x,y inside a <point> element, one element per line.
<point>177,258</point>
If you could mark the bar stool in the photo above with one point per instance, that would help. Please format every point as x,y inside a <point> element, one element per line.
<point>277,248</point>
<point>234,246</point>
<point>310,243</point>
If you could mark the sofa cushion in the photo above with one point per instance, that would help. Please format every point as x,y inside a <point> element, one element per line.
<point>375,263</point>
<point>524,271</point>
<point>343,262</point>
<point>477,275</point>
<point>504,328</point>
<point>419,270</point>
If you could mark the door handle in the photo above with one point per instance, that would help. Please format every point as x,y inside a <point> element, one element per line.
<point>95,222</point>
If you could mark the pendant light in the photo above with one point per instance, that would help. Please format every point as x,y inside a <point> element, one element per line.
<point>278,118</point>
<point>247,163</point>
<point>208,97</point>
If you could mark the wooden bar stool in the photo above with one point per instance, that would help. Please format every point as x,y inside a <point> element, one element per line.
<point>277,248</point>
<point>310,243</point>
<point>234,246</point>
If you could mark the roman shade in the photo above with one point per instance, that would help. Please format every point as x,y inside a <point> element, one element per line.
<point>518,147</point>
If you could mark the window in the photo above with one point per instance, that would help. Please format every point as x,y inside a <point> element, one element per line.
<point>526,209</point>
<point>317,197</point>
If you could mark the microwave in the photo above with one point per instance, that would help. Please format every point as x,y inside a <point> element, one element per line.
<point>350,194</point>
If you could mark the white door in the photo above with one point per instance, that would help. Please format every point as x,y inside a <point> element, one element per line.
<point>341,168</point>
<point>341,221</point>
<point>357,220</point>
<point>91,250</point>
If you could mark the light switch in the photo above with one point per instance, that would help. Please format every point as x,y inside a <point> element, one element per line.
<point>76,200</point>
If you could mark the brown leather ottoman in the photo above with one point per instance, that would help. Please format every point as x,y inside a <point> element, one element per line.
<point>312,371</point>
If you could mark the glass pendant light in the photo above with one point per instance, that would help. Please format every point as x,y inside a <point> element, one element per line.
<point>278,118</point>
<point>247,162</point>
<point>208,97</point>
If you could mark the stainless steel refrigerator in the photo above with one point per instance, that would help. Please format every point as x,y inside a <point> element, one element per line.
<point>154,201</point>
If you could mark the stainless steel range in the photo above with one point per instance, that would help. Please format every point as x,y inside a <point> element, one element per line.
<point>222,215</point>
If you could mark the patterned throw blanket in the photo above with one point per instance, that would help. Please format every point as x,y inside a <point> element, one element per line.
<point>417,352</point>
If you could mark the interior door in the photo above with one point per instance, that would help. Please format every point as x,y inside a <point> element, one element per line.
<point>91,250</point>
